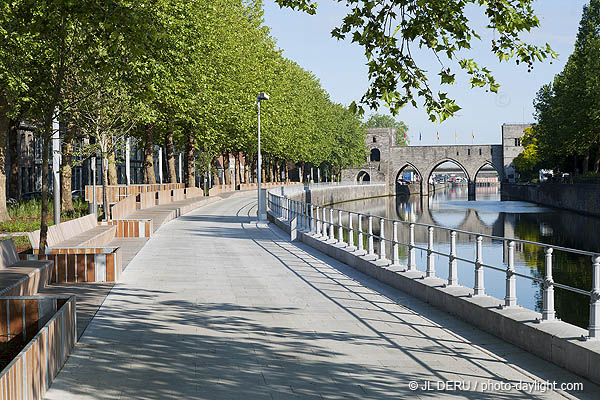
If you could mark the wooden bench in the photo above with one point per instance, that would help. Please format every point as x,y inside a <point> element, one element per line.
<point>80,232</point>
<point>81,250</point>
<point>21,277</point>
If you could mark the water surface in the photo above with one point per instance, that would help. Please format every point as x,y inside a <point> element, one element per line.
<point>513,219</point>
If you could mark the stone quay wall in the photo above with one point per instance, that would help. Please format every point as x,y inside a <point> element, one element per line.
<point>583,198</point>
<point>323,194</point>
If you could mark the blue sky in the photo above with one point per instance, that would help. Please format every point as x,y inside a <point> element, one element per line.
<point>340,66</point>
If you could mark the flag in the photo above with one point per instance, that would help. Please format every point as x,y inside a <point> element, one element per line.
<point>438,136</point>
<point>455,135</point>
<point>419,136</point>
<point>473,134</point>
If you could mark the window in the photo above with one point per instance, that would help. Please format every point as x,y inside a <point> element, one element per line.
<point>517,141</point>
<point>480,152</point>
<point>374,139</point>
<point>468,152</point>
<point>375,155</point>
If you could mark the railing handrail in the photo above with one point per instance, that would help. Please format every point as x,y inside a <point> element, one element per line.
<point>318,224</point>
<point>484,235</point>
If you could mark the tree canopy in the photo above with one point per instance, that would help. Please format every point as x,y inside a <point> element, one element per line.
<point>392,31</point>
<point>567,110</point>
<point>185,73</point>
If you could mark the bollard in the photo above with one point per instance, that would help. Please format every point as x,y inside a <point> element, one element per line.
<point>305,220</point>
<point>594,328</point>
<point>548,313</point>
<point>279,207</point>
<point>307,217</point>
<point>370,248</point>
<point>318,221</point>
<point>430,272</point>
<point>412,262</point>
<point>452,268</point>
<point>361,245</point>
<point>350,231</point>
<point>293,230</point>
<point>381,239</point>
<point>325,223</point>
<point>287,209</point>
<point>395,243</point>
<point>331,224</point>
<point>340,228</point>
<point>511,284</point>
<point>478,289</point>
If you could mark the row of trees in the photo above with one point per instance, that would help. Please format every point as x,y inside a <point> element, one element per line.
<point>567,110</point>
<point>176,73</point>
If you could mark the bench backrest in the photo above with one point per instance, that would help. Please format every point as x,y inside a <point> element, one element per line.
<point>64,230</point>
<point>8,253</point>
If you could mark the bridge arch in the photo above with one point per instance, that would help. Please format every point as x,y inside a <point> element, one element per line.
<point>445,160</point>
<point>363,176</point>
<point>488,164</point>
<point>398,177</point>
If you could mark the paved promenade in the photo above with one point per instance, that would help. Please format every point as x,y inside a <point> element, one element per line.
<point>218,307</point>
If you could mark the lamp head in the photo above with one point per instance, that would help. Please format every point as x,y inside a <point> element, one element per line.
<point>262,96</point>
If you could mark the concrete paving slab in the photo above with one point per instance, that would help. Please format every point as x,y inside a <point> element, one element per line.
<point>216,306</point>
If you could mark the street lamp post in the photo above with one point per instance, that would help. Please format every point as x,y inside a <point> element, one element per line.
<point>261,207</point>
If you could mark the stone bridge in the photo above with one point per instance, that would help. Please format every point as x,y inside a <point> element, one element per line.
<point>387,162</point>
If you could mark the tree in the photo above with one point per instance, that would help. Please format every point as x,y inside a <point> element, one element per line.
<point>567,110</point>
<point>17,46</point>
<point>386,121</point>
<point>389,32</point>
<point>106,115</point>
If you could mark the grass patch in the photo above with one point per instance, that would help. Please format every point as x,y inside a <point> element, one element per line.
<point>25,215</point>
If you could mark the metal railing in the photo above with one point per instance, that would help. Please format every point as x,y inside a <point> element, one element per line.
<point>319,221</point>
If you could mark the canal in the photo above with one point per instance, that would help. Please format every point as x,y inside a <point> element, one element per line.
<point>489,215</point>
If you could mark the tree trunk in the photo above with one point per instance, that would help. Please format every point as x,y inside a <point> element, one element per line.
<point>13,174</point>
<point>597,161</point>
<point>149,177</point>
<point>44,216</point>
<point>66,197</point>
<point>189,160</point>
<point>287,171</point>
<point>246,169</point>
<point>113,179</point>
<point>238,166</point>
<point>226,176</point>
<point>586,162</point>
<point>216,179</point>
<point>575,164</point>
<point>171,173</point>
<point>4,125</point>
<point>105,207</point>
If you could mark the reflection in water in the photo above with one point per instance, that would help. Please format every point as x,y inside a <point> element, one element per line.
<point>512,219</point>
